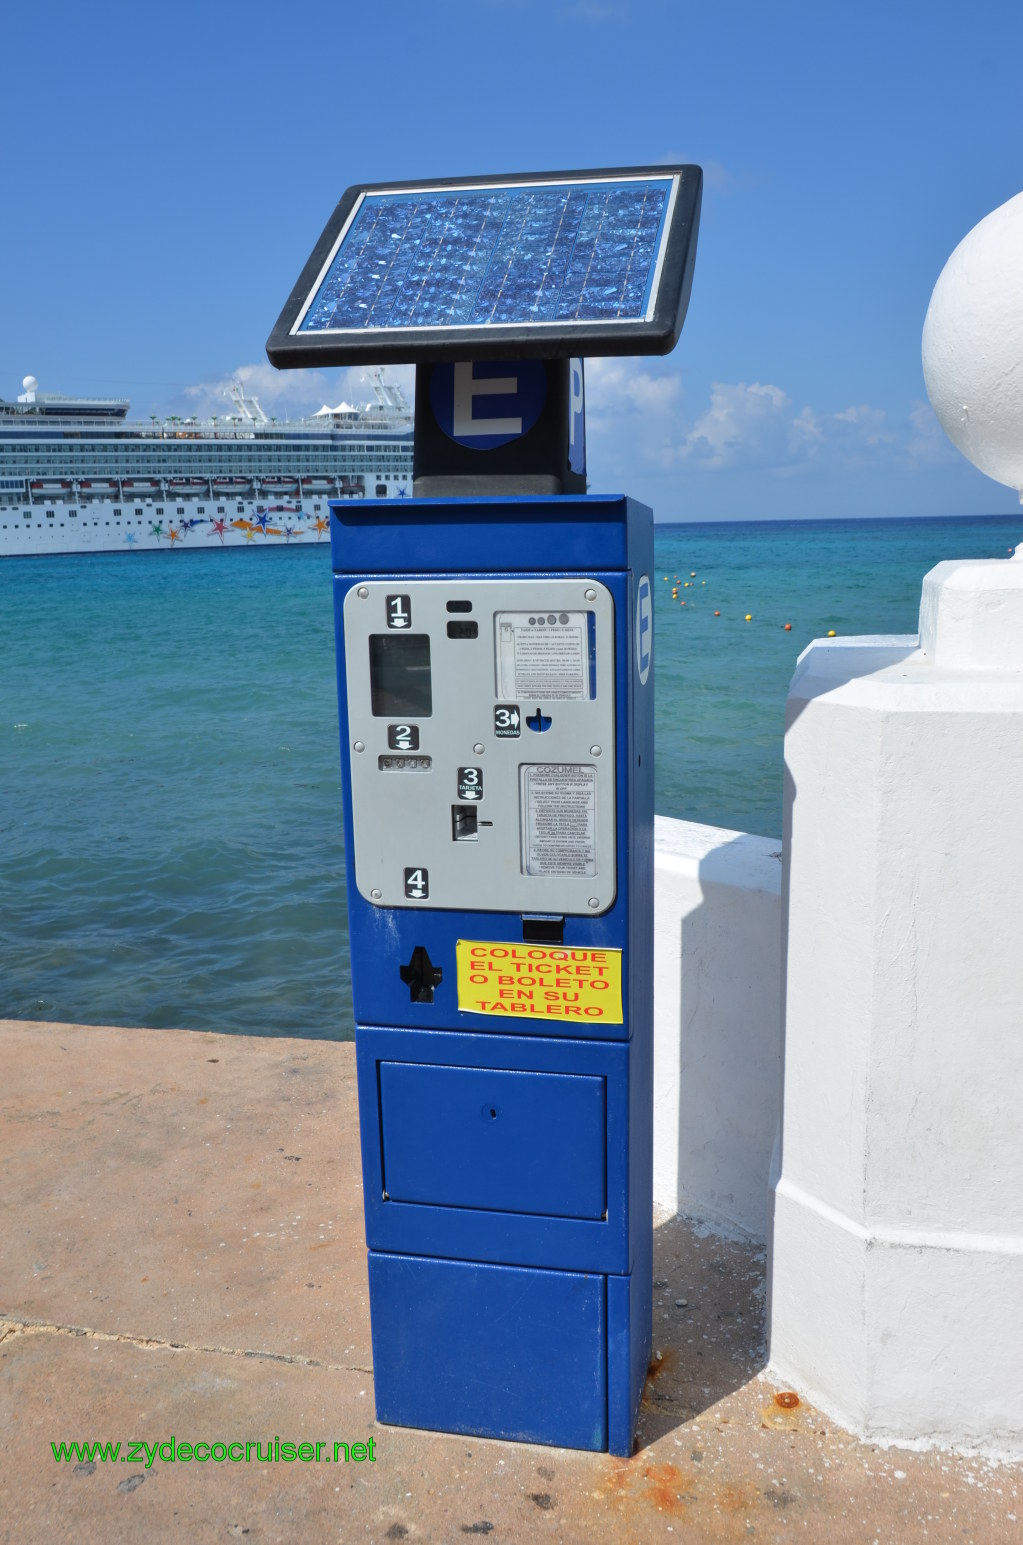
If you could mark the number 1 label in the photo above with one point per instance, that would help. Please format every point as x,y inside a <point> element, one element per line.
<point>399,611</point>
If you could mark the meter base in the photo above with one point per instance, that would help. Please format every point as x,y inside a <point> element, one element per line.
<point>511,1352</point>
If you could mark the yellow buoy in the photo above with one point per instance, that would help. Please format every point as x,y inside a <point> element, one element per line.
<point>749,616</point>
<point>831,632</point>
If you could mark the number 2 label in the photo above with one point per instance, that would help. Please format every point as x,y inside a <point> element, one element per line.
<point>403,737</point>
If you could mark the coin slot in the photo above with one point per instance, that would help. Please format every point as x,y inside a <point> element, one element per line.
<point>463,823</point>
<point>459,606</point>
<point>463,630</point>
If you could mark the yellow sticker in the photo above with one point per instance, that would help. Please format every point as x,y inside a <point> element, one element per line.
<point>540,981</point>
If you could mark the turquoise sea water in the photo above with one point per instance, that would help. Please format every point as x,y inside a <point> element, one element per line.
<point>170,834</point>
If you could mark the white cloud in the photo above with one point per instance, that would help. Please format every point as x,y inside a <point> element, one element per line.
<point>637,424</point>
<point>928,442</point>
<point>756,427</point>
<point>748,424</point>
<point>622,385</point>
<point>633,410</point>
<point>285,393</point>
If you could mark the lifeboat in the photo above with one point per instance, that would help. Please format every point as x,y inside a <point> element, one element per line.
<point>279,485</point>
<point>50,485</point>
<point>97,488</point>
<point>140,487</point>
<point>191,487</point>
<point>231,485</point>
<point>318,485</point>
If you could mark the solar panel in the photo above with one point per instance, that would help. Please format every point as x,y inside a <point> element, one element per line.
<point>573,263</point>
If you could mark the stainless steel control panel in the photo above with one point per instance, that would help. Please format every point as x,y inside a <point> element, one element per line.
<point>481,742</point>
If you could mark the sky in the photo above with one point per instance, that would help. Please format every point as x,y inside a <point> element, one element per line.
<point>168,169</point>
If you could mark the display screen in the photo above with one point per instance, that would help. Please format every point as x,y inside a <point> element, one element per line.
<point>534,253</point>
<point>399,675</point>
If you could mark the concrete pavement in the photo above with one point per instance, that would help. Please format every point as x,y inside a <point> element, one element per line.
<point>182,1255</point>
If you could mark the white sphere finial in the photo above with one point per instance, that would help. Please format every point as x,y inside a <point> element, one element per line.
<point>973,345</point>
<point>30,384</point>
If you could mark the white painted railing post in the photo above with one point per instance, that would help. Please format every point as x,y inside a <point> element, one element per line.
<point>896,1251</point>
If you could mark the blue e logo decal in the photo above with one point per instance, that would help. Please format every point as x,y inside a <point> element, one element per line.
<point>482,404</point>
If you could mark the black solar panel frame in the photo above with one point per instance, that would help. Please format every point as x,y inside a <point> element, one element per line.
<point>288,349</point>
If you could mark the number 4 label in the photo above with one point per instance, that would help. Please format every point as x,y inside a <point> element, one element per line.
<point>417,884</point>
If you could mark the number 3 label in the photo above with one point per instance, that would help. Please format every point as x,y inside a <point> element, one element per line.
<point>470,783</point>
<point>507,723</point>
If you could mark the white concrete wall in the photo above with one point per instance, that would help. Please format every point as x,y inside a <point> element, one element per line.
<point>717,1023</point>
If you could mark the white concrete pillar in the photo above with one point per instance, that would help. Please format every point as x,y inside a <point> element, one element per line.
<point>896,1251</point>
<point>717,1023</point>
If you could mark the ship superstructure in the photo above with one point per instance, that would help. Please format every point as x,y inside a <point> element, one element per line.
<point>77,475</point>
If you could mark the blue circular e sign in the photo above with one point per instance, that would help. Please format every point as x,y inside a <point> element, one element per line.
<point>485,403</point>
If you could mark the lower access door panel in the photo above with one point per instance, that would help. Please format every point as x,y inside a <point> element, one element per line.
<point>494,1138</point>
<point>496,1351</point>
<point>497,1148</point>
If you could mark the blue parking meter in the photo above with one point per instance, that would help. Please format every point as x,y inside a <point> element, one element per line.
<point>495,692</point>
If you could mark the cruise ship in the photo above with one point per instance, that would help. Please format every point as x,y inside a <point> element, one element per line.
<point>78,476</point>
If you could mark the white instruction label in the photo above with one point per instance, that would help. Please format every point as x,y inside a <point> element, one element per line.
<point>558,802</point>
<point>543,655</point>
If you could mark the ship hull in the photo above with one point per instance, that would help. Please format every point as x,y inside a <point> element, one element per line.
<point>96,529</point>
<point>78,476</point>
